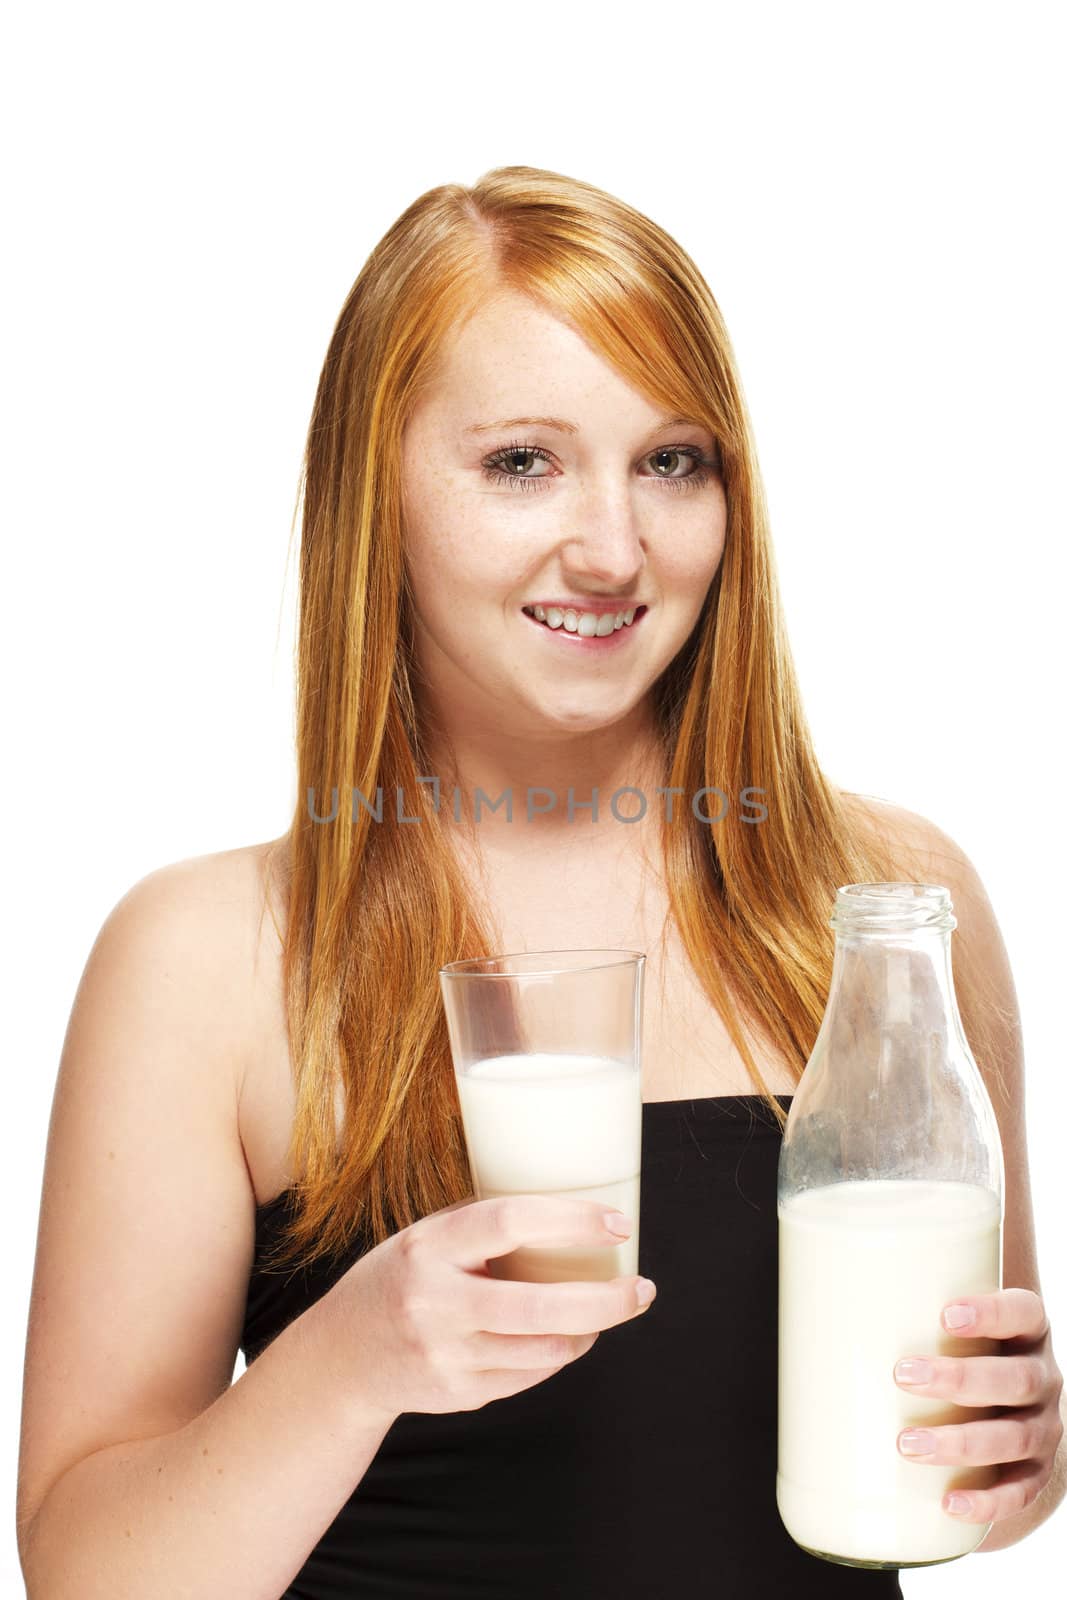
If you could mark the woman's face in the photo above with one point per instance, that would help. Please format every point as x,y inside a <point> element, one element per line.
<point>607,507</point>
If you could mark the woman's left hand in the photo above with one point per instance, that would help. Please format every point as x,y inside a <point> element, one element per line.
<point>1024,1376</point>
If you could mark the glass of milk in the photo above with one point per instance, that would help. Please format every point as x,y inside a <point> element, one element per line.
<point>890,1205</point>
<point>546,1047</point>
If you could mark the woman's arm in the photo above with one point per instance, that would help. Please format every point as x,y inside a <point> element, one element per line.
<point>233,1502</point>
<point>144,1471</point>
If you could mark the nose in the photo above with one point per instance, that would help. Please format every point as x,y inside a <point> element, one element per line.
<point>607,548</point>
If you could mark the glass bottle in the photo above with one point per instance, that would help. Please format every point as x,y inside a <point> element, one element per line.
<point>890,1205</point>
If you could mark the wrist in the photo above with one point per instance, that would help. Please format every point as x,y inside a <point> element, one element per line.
<point>330,1347</point>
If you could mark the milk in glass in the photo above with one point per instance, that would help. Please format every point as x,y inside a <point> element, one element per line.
<point>556,1124</point>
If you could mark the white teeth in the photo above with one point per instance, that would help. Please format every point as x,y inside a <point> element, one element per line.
<point>588,624</point>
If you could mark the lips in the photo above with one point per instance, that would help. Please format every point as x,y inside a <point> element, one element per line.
<point>611,639</point>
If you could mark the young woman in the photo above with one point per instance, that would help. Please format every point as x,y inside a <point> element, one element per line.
<point>529,421</point>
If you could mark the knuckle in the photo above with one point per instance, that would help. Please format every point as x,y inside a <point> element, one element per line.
<point>415,1309</point>
<point>442,1224</point>
<point>1026,1440</point>
<point>1039,1378</point>
<point>1037,1306</point>
<point>557,1349</point>
<point>1045,1433</point>
<point>1022,1493</point>
<point>950,1374</point>
<point>433,1367</point>
<point>409,1245</point>
<point>447,1384</point>
<point>530,1307</point>
<point>503,1215</point>
<point>1028,1380</point>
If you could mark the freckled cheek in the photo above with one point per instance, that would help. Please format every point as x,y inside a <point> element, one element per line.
<point>488,556</point>
<point>458,562</point>
<point>685,573</point>
<point>696,560</point>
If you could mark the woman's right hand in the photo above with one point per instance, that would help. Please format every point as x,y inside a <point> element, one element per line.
<point>419,1324</point>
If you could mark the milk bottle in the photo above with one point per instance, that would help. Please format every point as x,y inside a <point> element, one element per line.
<point>890,1205</point>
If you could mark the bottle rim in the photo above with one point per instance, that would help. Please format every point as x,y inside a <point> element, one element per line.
<point>892,908</point>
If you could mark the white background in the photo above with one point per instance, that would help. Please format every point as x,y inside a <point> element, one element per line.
<point>873,193</point>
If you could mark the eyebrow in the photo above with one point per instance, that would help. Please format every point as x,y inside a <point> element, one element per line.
<point>563,426</point>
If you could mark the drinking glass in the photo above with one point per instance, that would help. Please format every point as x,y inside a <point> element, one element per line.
<point>546,1047</point>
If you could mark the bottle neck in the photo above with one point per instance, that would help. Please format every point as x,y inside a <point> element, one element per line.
<point>893,959</point>
<point>891,1090</point>
<point>886,983</point>
<point>892,909</point>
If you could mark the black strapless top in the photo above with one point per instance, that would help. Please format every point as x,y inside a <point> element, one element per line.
<point>643,1470</point>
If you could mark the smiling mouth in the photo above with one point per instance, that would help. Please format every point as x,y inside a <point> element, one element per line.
<point>584,624</point>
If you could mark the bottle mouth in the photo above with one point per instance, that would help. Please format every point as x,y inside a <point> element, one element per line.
<point>892,908</point>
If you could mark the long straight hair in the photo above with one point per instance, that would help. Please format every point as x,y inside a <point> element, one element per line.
<point>375,908</point>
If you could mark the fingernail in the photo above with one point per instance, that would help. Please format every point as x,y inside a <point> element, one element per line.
<point>913,1371</point>
<point>916,1442</point>
<point>618,1222</point>
<point>646,1291</point>
<point>959,1503</point>
<point>959,1316</point>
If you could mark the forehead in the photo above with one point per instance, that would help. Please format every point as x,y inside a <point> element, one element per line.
<point>512,356</point>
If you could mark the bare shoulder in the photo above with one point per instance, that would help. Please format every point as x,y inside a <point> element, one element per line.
<point>927,853</point>
<point>924,852</point>
<point>221,889</point>
<point>920,845</point>
<point>209,928</point>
